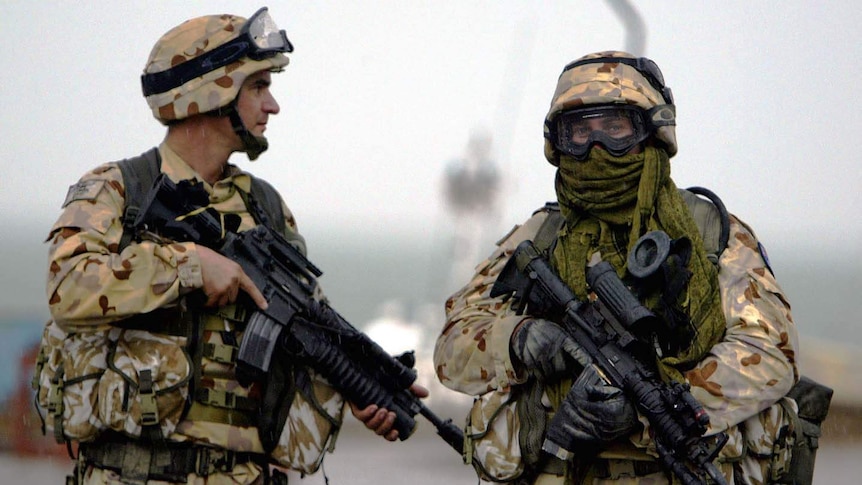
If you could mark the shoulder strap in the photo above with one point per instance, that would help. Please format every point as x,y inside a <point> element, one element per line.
<point>710,215</point>
<point>711,218</point>
<point>139,173</point>
<point>546,238</point>
<point>267,197</point>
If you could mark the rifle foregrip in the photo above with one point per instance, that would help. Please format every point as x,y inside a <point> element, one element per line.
<point>350,379</point>
<point>362,391</point>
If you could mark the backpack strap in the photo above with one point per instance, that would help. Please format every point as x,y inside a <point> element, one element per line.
<point>139,173</point>
<point>546,238</point>
<point>264,196</point>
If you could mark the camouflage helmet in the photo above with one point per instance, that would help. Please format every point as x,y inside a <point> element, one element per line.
<point>613,77</point>
<point>200,65</point>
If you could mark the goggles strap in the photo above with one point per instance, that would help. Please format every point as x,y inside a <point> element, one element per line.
<point>662,115</point>
<point>242,46</point>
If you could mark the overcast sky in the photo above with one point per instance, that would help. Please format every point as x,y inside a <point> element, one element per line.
<point>380,95</point>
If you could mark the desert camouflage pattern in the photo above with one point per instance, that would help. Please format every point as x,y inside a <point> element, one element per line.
<point>120,406</point>
<point>68,380</point>
<point>492,436</point>
<point>93,371</point>
<point>214,89</point>
<point>294,448</point>
<point>604,83</point>
<point>91,286</point>
<point>741,383</point>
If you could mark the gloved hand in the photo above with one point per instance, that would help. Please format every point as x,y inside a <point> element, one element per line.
<point>543,347</point>
<point>593,413</point>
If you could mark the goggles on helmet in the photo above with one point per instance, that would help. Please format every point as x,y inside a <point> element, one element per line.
<point>617,128</point>
<point>258,39</point>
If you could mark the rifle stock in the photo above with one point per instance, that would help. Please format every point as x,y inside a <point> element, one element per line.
<point>311,332</point>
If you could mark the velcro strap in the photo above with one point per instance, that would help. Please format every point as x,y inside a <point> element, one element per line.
<point>162,321</point>
<point>55,403</point>
<point>41,360</point>
<point>224,399</point>
<point>202,412</point>
<point>467,452</point>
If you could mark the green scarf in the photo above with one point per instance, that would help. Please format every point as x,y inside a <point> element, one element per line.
<point>608,203</point>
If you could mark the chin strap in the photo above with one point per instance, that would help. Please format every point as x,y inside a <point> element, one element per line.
<point>252,145</point>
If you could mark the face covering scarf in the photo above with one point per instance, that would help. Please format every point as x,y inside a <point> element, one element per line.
<point>608,203</point>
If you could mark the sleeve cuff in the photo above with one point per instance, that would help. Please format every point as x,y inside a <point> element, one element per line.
<point>505,371</point>
<point>189,269</point>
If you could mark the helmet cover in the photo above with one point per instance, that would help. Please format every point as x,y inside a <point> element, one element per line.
<point>212,90</point>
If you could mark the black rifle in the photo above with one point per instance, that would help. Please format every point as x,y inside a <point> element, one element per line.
<point>319,337</point>
<point>608,330</point>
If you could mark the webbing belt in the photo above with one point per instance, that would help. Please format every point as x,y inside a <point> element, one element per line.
<point>166,461</point>
<point>616,469</point>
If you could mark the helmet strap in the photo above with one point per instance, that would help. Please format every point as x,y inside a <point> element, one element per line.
<point>253,146</point>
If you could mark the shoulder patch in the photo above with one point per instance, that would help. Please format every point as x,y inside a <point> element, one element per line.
<point>84,190</point>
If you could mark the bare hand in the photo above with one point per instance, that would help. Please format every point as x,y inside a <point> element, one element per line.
<point>380,420</point>
<point>224,278</point>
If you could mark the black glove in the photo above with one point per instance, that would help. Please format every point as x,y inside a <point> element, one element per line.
<point>593,413</point>
<point>544,348</point>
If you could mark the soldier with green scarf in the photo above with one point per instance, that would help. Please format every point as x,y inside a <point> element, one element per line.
<point>610,132</point>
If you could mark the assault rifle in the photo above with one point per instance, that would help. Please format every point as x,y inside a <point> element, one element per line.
<point>610,330</point>
<point>310,332</point>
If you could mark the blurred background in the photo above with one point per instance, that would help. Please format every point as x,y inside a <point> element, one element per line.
<point>410,139</point>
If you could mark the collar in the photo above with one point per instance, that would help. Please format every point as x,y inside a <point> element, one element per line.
<point>177,169</point>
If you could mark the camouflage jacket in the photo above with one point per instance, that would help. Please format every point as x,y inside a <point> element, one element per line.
<point>738,383</point>
<point>91,285</point>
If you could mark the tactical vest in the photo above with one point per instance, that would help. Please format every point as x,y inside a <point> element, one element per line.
<point>264,205</point>
<point>801,438</point>
<point>119,399</point>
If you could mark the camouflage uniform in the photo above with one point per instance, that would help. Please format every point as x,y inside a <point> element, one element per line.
<point>91,286</point>
<point>741,383</point>
<point>126,347</point>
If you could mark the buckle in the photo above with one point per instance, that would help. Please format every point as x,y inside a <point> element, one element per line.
<point>147,395</point>
<point>222,353</point>
<point>212,397</point>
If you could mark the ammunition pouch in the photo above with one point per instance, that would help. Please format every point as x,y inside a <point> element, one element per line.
<point>491,441</point>
<point>66,386</point>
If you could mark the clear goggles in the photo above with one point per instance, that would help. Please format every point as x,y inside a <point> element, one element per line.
<point>616,128</point>
<point>258,39</point>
